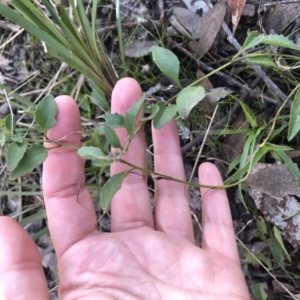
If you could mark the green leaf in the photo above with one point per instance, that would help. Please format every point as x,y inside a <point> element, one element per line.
<point>14,154</point>
<point>250,41</point>
<point>92,153</point>
<point>66,47</point>
<point>1,122</point>
<point>246,150</point>
<point>24,102</point>
<point>277,251</point>
<point>46,112</point>
<point>234,164</point>
<point>153,112</point>
<point>273,39</point>
<point>40,215</point>
<point>250,115</point>
<point>279,147</point>
<point>131,116</point>
<point>96,154</point>
<point>33,157</point>
<point>258,155</point>
<point>94,141</point>
<point>258,291</point>
<point>18,138</point>
<point>264,260</point>
<point>278,131</point>
<point>259,256</point>
<point>110,188</point>
<point>279,40</point>
<point>164,115</point>
<point>99,99</point>
<point>40,233</point>
<point>261,230</point>
<point>278,237</point>
<point>167,62</point>
<point>294,124</point>
<point>188,98</point>
<point>112,137</point>
<point>263,59</point>
<point>10,122</point>
<point>114,120</point>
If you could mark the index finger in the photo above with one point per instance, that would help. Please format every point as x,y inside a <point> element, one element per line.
<point>69,207</point>
<point>218,234</point>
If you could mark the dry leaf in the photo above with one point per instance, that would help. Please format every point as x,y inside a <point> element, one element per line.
<point>277,181</point>
<point>196,5</point>
<point>9,26</point>
<point>207,29</point>
<point>274,190</point>
<point>233,145</point>
<point>139,48</point>
<point>237,9</point>
<point>281,17</point>
<point>184,20</point>
<point>4,62</point>
<point>218,93</point>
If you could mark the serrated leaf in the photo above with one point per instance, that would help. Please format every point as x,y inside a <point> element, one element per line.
<point>251,118</point>
<point>273,39</point>
<point>33,157</point>
<point>167,62</point>
<point>112,137</point>
<point>279,40</point>
<point>131,116</point>
<point>46,112</point>
<point>114,120</point>
<point>164,115</point>
<point>294,124</point>
<point>14,154</point>
<point>110,188</point>
<point>10,122</point>
<point>188,98</point>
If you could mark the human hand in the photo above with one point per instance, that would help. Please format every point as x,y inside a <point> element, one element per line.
<point>142,258</point>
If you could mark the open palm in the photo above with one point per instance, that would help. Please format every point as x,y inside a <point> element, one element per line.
<point>143,257</point>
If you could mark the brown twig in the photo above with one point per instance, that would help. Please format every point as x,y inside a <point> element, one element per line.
<point>269,83</point>
<point>208,68</point>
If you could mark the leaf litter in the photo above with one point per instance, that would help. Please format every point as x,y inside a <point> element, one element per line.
<point>275,191</point>
<point>189,20</point>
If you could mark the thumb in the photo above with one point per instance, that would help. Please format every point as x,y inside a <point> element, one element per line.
<point>21,272</point>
